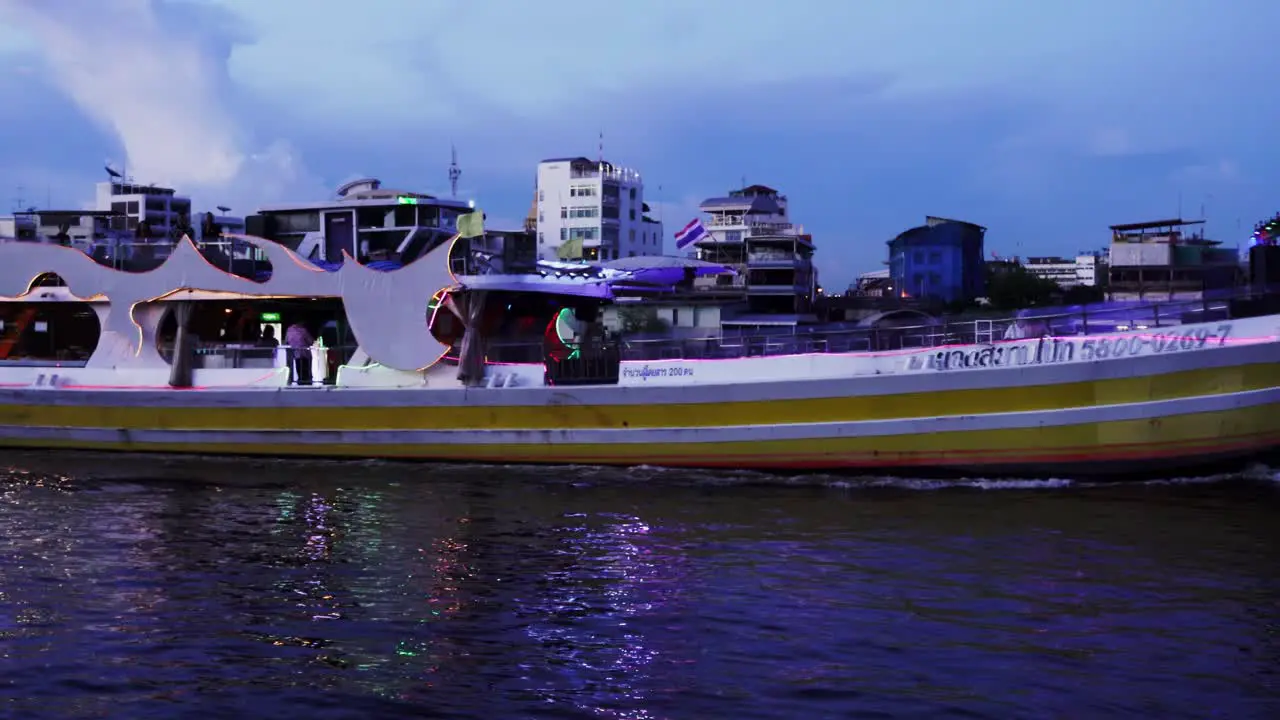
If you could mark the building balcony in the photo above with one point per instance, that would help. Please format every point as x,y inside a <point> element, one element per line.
<point>789,289</point>
<point>751,228</point>
<point>766,229</point>
<point>775,259</point>
<point>616,174</point>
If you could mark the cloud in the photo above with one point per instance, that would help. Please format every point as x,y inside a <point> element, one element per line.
<point>155,77</point>
<point>1219,171</point>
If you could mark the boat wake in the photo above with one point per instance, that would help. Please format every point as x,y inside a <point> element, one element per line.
<point>1254,474</point>
<point>218,470</point>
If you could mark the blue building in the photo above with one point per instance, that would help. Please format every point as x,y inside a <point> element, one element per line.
<point>941,259</point>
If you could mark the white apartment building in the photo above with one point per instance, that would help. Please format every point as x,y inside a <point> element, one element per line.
<point>120,206</point>
<point>1083,270</point>
<point>593,210</point>
<point>132,203</point>
<point>161,207</point>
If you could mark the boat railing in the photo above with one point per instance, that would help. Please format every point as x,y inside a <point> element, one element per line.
<point>723,343</point>
<point>845,338</point>
<point>324,360</point>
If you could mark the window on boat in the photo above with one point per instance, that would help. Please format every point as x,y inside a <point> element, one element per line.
<point>234,334</point>
<point>48,333</point>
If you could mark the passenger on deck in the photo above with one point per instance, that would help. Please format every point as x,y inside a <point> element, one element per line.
<point>299,340</point>
<point>1025,326</point>
<point>268,338</point>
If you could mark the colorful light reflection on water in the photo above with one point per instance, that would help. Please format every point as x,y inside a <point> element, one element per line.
<point>400,591</point>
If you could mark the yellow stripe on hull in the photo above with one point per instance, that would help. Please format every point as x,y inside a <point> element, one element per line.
<point>268,416</point>
<point>1239,431</point>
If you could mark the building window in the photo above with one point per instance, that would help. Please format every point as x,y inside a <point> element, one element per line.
<point>540,218</point>
<point>633,213</point>
<point>584,212</point>
<point>631,235</point>
<point>542,195</point>
<point>541,239</point>
<point>918,257</point>
<point>564,212</point>
<point>633,193</point>
<point>564,234</point>
<point>935,257</point>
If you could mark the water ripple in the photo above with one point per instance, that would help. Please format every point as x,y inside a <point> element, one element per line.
<point>156,588</point>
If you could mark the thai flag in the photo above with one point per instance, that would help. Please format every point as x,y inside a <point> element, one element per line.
<point>691,233</point>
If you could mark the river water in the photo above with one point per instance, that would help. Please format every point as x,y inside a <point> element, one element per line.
<point>159,588</point>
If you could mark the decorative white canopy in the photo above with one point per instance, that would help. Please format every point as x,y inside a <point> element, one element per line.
<point>383,308</point>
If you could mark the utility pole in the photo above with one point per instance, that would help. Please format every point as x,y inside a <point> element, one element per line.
<point>455,172</point>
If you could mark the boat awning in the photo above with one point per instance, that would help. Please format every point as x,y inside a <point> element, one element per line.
<point>539,284</point>
<point>768,320</point>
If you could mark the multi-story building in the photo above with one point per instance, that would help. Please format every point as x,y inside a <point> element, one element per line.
<point>121,208</point>
<point>941,259</point>
<point>78,228</point>
<point>1067,273</point>
<point>17,227</point>
<point>161,208</point>
<point>365,220</point>
<point>593,210</point>
<point>750,231</point>
<point>875,283</point>
<point>1163,260</point>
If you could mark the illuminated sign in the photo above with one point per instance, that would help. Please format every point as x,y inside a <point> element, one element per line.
<point>406,200</point>
<point>270,317</point>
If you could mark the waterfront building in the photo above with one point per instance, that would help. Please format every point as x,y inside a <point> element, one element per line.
<point>942,260</point>
<point>1083,270</point>
<point>593,210</point>
<point>369,222</point>
<point>751,231</point>
<point>1169,259</point>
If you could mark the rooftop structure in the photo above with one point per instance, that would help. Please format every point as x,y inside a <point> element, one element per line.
<point>364,219</point>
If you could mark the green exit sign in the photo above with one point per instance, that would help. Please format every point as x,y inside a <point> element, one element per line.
<point>405,200</point>
<point>270,317</point>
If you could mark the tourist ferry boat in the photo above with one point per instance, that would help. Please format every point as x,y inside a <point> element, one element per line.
<point>473,351</point>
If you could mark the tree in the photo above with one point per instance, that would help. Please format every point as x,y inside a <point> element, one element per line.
<point>1013,287</point>
<point>638,319</point>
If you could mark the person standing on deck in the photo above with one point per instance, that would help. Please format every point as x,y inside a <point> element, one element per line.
<point>299,340</point>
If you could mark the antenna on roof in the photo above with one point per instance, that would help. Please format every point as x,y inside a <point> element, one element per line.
<point>455,172</point>
<point>600,156</point>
